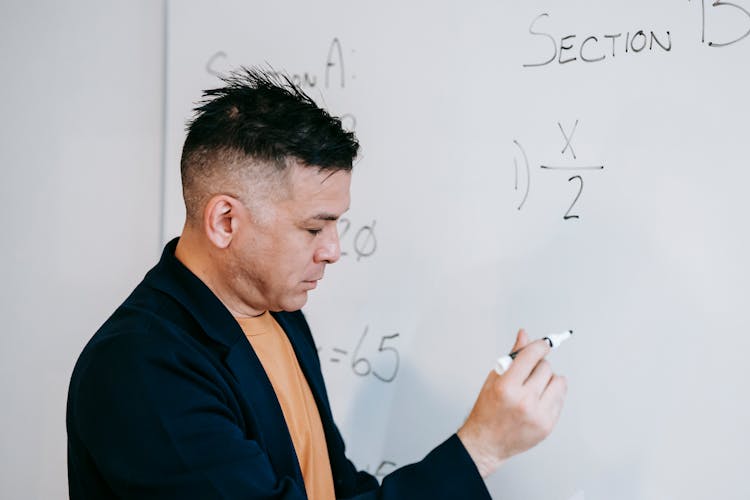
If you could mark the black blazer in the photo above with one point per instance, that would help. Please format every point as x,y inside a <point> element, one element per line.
<point>169,400</point>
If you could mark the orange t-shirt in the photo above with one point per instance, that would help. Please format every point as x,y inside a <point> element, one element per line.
<point>277,356</point>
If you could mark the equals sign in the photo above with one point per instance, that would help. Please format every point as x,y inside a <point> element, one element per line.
<point>339,351</point>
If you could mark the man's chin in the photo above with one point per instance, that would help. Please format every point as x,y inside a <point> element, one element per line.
<point>294,303</point>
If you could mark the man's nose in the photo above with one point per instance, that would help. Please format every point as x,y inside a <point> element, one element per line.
<point>330,248</point>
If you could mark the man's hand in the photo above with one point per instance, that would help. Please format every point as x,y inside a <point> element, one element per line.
<point>516,410</point>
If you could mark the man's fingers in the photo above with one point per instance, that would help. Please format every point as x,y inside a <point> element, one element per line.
<point>554,394</point>
<point>557,386</point>
<point>527,359</point>
<point>540,377</point>
<point>522,339</point>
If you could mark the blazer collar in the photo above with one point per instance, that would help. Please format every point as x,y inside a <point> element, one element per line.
<point>173,278</point>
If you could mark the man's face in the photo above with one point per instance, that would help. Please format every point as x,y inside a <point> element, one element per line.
<point>280,252</point>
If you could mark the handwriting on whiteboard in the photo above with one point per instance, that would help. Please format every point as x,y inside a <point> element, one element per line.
<point>596,47</point>
<point>523,174</point>
<point>365,360</point>
<point>331,74</point>
<point>707,15</point>
<point>358,242</point>
<point>385,468</point>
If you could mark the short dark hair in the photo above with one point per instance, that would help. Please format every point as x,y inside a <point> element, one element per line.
<point>262,116</point>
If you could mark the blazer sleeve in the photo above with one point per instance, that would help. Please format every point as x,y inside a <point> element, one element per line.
<point>148,426</point>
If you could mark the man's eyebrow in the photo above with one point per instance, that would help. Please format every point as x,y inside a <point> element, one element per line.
<point>324,216</point>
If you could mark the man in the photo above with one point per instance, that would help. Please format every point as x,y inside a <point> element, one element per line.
<point>205,383</point>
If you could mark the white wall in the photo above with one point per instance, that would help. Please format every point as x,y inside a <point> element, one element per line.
<point>80,153</point>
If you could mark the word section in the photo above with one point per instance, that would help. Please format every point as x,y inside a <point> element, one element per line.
<point>332,74</point>
<point>592,48</point>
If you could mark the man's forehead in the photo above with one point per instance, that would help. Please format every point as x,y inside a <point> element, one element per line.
<point>319,194</point>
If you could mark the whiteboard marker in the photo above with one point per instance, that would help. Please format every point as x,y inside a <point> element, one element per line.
<point>553,339</point>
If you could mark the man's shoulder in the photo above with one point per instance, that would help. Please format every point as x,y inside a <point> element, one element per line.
<point>147,313</point>
<point>147,326</point>
<point>150,346</point>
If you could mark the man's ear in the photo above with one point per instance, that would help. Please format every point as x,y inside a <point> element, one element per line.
<point>221,219</point>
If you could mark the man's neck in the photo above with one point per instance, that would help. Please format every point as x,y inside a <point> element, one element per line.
<point>195,255</point>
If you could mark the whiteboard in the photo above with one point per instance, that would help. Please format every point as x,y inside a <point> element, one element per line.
<point>541,164</point>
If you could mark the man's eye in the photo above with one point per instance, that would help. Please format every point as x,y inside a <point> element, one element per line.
<point>314,231</point>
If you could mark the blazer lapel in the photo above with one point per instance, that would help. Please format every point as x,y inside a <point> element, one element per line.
<point>257,389</point>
